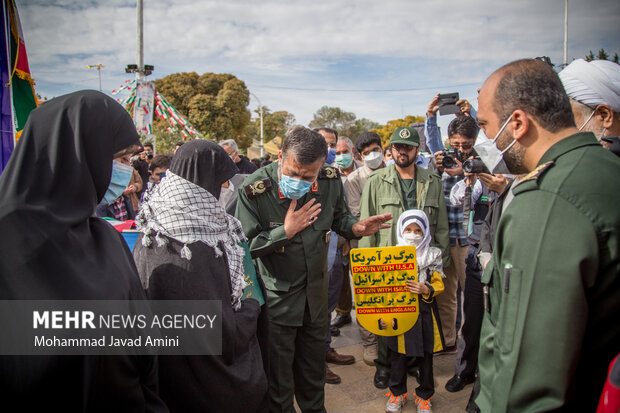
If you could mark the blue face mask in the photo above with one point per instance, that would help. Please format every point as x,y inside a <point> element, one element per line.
<point>389,162</point>
<point>344,160</point>
<point>331,155</point>
<point>293,188</point>
<point>121,174</point>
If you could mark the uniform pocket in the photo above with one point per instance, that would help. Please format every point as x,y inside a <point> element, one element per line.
<point>487,287</point>
<point>388,205</point>
<point>509,309</point>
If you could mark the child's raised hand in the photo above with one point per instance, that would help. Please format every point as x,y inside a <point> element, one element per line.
<point>417,288</point>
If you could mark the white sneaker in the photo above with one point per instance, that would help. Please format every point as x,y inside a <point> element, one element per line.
<point>424,405</point>
<point>395,403</point>
<point>370,354</point>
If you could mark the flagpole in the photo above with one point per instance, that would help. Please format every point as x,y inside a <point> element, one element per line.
<point>8,62</point>
<point>565,33</point>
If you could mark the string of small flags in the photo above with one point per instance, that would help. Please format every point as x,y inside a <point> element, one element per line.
<point>163,109</point>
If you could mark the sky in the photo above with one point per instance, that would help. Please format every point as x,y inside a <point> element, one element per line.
<point>381,60</point>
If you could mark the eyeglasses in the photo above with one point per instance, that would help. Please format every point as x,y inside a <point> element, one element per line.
<point>401,147</point>
<point>464,146</point>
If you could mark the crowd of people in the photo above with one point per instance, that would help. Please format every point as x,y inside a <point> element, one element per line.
<point>514,218</point>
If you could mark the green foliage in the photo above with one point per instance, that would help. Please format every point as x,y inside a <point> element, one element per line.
<point>214,103</point>
<point>165,141</point>
<point>386,130</point>
<point>344,122</point>
<point>360,126</point>
<point>602,55</point>
<point>274,124</point>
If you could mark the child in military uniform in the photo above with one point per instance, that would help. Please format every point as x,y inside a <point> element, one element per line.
<point>425,336</point>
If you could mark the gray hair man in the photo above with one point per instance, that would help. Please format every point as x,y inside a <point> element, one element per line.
<point>243,164</point>
<point>594,92</point>
<point>288,209</point>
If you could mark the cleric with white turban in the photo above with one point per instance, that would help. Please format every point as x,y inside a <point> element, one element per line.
<point>594,90</point>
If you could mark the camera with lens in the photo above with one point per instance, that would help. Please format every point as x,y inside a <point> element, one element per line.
<point>475,166</point>
<point>449,158</point>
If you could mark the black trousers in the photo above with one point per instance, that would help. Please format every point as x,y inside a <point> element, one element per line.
<point>473,310</point>
<point>398,374</point>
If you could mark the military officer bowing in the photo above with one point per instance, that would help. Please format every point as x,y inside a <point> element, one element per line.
<point>287,210</point>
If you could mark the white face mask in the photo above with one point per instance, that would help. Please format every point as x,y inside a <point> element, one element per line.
<point>413,239</point>
<point>490,155</point>
<point>587,120</point>
<point>373,160</point>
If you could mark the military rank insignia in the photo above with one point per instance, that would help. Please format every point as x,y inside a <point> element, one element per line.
<point>536,173</point>
<point>329,172</point>
<point>257,188</point>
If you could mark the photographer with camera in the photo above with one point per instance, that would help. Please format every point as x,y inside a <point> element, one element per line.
<point>448,163</point>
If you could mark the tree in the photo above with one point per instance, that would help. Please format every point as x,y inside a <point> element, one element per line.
<point>360,126</point>
<point>602,55</point>
<point>165,140</point>
<point>274,124</point>
<point>344,122</point>
<point>214,103</point>
<point>386,130</point>
<point>333,118</point>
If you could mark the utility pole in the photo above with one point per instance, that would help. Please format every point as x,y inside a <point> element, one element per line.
<point>140,69</point>
<point>98,67</point>
<point>565,34</point>
<point>260,106</point>
<point>140,44</point>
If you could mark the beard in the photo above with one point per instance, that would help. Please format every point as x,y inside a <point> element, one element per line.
<point>514,156</point>
<point>407,163</point>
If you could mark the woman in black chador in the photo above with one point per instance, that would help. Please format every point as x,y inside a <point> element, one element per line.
<point>53,248</point>
<point>191,249</point>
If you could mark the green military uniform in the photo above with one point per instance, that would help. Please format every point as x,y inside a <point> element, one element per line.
<point>383,193</point>
<point>295,275</point>
<point>552,288</point>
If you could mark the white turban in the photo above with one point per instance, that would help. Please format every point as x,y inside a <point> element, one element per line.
<point>593,83</point>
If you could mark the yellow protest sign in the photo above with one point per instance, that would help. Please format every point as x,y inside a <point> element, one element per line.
<point>379,277</point>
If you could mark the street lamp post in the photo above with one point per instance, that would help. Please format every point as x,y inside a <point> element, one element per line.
<point>98,67</point>
<point>261,146</point>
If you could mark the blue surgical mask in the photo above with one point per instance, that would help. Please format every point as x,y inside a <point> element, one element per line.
<point>389,162</point>
<point>331,155</point>
<point>121,175</point>
<point>344,160</point>
<point>293,188</point>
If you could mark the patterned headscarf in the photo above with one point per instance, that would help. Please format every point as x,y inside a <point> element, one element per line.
<point>188,213</point>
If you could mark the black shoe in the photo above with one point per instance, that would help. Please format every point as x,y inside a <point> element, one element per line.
<point>334,331</point>
<point>458,383</point>
<point>415,373</point>
<point>381,379</point>
<point>341,320</point>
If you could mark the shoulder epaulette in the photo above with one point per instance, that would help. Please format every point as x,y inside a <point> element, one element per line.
<point>536,173</point>
<point>257,188</point>
<point>329,172</point>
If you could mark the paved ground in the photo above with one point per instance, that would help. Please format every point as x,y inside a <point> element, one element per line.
<point>356,393</point>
